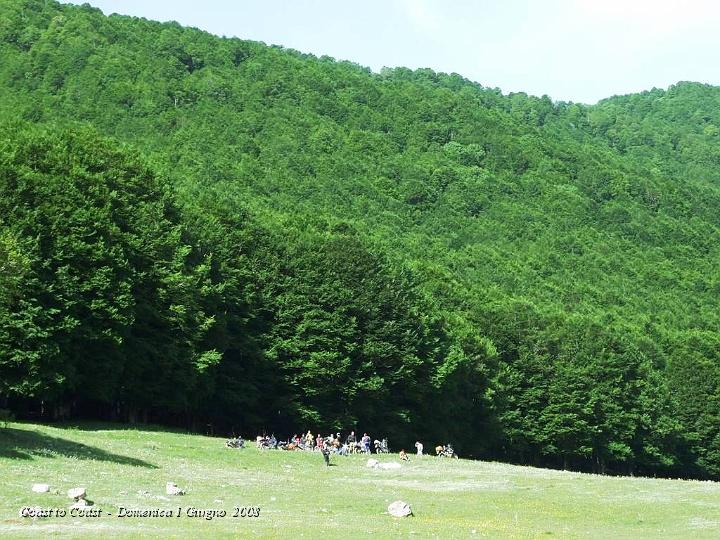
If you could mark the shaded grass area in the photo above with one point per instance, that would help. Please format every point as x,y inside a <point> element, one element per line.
<point>17,443</point>
<point>300,497</point>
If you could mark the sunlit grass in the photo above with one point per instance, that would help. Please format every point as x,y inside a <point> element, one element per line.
<point>300,497</point>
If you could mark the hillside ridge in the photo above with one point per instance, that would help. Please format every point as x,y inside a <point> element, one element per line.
<point>199,229</point>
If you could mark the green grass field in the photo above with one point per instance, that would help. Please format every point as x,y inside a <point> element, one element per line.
<point>299,496</point>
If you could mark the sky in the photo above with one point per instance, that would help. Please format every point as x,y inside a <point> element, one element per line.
<point>570,50</point>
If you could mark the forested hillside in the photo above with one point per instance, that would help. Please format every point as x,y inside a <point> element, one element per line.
<point>199,229</point>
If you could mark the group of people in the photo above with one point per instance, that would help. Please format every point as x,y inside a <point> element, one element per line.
<point>418,448</point>
<point>442,450</point>
<point>333,443</point>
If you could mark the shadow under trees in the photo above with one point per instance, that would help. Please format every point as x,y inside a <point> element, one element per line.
<point>28,444</point>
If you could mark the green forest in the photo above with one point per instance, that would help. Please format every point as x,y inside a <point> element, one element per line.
<point>200,230</point>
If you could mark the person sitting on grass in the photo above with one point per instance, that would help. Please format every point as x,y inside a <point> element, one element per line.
<point>404,456</point>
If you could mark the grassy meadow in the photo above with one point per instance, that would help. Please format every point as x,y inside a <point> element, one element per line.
<point>299,496</point>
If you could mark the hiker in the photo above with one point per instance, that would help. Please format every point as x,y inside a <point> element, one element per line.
<point>384,447</point>
<point>365,443</point>
<point>404,456</point>
<point>419,448</point>
<point>238,442</point>
<point>350,442</point>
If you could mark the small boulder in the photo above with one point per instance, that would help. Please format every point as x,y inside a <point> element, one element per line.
<point>171,488</point>
<point>400,509</point>
<point>372,463</point>
<point>41,488</point>
<point>77,493</point>
<point>388,466</point>
<point>81,503</point>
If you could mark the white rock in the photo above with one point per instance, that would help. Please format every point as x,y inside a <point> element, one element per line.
<point>77,493</point>
<point>388,466</point>
<point>399,509</point>
<point>171,488</point>
<point>41,488</point>
<point>372,463</point>
<point>81,503</point>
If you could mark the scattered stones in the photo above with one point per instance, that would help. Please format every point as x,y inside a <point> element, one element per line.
<point>41,488</point>
<point>77,493</point>
<point>171,488</point>
<point>400,509</point>
<point>375,464</point>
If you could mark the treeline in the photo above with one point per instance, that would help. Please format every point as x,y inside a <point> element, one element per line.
<point>118,300</point>
<point>293,242</point>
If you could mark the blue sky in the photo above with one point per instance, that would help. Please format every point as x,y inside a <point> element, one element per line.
<point>572,50</point>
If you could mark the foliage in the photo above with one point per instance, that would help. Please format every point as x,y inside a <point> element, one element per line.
<point>306,242</point>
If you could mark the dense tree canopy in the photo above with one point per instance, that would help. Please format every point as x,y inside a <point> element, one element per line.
<point>247,235</point>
